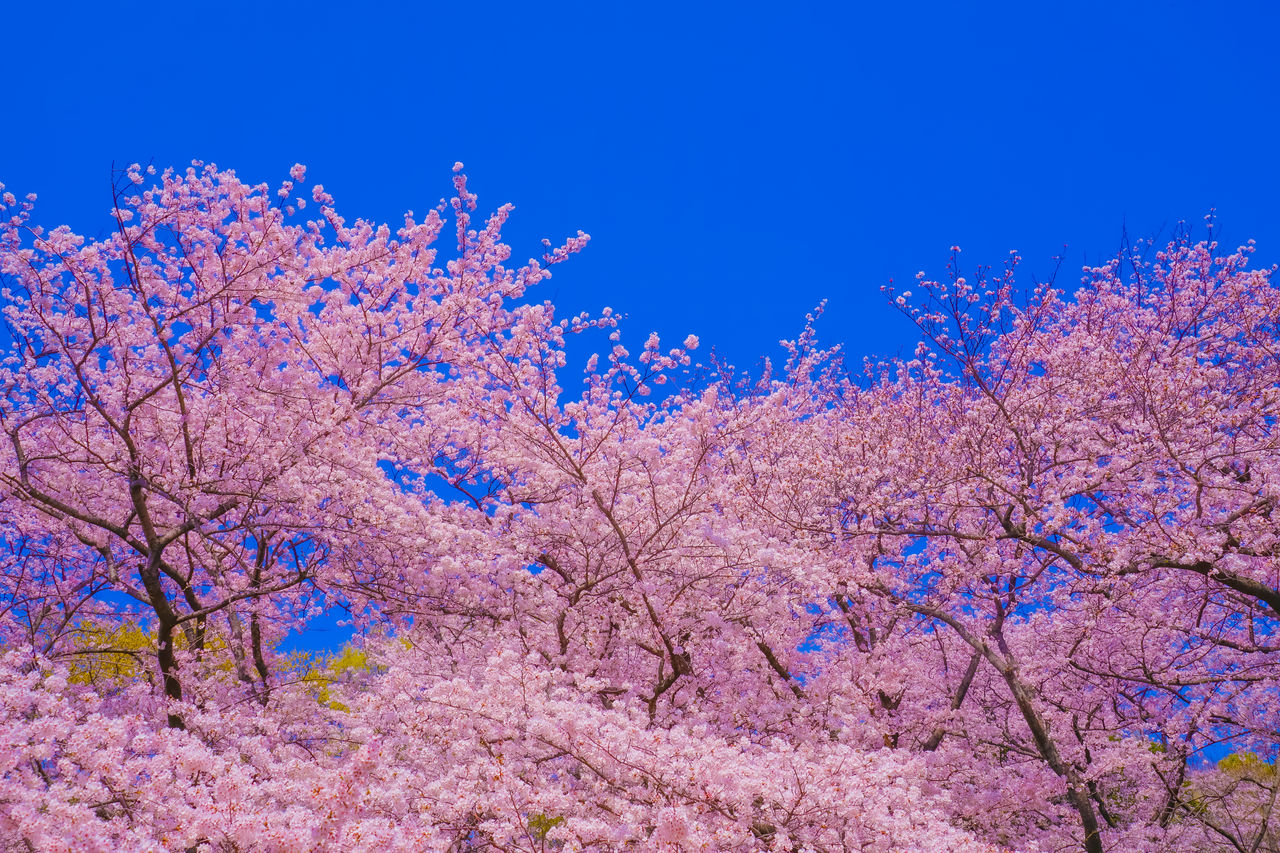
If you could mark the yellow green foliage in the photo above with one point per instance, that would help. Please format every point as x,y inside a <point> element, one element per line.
<point>116,653</point>
<point>329,670</point>
<point>1247,765</point>
<point>110,654</point>
<point>540,824</point>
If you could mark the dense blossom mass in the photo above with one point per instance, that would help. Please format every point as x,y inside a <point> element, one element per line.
<point>1016,593</point>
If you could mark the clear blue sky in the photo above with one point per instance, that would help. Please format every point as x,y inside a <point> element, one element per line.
<point>735,163</point>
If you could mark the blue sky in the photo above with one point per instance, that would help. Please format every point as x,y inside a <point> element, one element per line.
<point>735,163</point>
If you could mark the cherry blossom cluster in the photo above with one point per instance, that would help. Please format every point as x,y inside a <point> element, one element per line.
<point>1017,592</point>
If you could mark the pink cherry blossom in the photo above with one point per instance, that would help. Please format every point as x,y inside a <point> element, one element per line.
<point>1006,594</point>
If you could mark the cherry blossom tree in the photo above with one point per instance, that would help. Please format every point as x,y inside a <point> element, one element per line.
<point>198,407</point>
<point>1070,499</point>
<point>226,415</point>
<point>1002,596</point>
